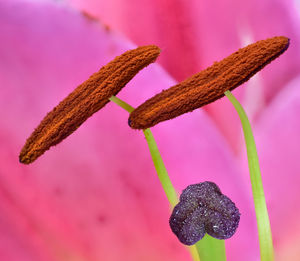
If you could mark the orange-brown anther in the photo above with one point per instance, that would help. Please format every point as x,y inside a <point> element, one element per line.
<point>85,100</point>
<point>208,85</point>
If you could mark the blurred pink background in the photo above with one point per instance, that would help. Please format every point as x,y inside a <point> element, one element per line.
<point>96,195</point>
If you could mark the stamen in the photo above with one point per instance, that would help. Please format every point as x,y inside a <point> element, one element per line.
<point>208,85</point>
<point>204,209</point>
<point>85,100</point>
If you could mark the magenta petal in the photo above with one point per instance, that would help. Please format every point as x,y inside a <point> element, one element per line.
<point>95,196</point>
<point>193,34</point>
<point>278,140</point>
<point>81,201</point>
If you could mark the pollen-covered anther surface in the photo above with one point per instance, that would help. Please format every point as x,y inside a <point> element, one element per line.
<point>204,209</point>
<point>85,100</point>
<point>208,85</point>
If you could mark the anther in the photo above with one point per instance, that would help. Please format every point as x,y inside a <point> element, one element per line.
<point>204,209</point>
<point>208,85</point>
<point>85,100</point>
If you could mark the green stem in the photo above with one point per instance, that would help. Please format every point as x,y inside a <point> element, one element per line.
<point>217,249</point>
<point>262,217</point>
<point>207,249</point>
<point>156,157</point>
<point>121,103</point>
<point>161,169</point>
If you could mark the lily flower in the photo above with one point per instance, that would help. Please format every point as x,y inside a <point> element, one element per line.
<point>96,196</point>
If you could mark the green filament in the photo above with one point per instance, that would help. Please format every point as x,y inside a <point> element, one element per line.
<point>121,103</point>
<point>262,217</point>
<point>161,169</point>
<point>211,249</point>
<point>207,249</point>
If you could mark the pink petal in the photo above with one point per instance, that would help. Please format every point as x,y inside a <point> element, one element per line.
<point>278,139</point>
<point>193,34</point>
<point>95,196</point>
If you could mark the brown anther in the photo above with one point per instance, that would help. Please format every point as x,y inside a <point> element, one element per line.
<point>85,100</point>
<point>209,84</point>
